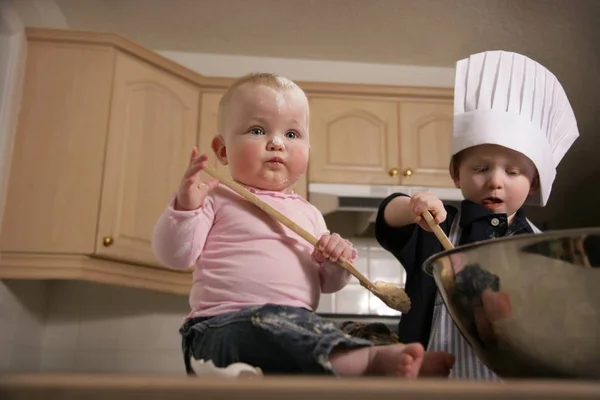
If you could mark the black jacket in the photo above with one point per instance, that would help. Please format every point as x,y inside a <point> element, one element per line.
<point>411,245</point>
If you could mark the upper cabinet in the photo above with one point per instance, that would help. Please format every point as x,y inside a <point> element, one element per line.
<point>104,136</point>
<point>55,184</point>
<point>425,132</point>
<point>152,129</point>
<point>353,141</point>
<point>102,141</point>
<point>372,141</point>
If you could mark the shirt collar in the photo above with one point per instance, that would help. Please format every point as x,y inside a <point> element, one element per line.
<point>471,212</point>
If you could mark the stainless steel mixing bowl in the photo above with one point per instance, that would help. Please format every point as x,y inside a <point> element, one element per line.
<point>530,304</point>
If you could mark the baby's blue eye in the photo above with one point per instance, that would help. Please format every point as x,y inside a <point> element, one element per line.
<point>291,135</point>
<point>256,131</point>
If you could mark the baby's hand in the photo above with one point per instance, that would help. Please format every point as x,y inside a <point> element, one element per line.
<point>333,248</point>
<point>425,201</point>
<point>193,191</point>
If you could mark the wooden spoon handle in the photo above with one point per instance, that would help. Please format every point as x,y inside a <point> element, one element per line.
<point>437,230</point>
<point>242,191</point>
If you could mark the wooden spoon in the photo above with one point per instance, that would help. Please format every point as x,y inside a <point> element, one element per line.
<point>437,230</point>
<point>447,273</point>
<point>393,296</point>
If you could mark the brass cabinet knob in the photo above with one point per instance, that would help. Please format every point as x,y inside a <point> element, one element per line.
<point>107,241</point>
<point>408,172</point>
<point>393,172</point>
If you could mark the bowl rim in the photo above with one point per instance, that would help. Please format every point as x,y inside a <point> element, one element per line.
<point>427,265</point>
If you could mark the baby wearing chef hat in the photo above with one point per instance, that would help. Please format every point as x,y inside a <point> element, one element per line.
<point>512,126</point>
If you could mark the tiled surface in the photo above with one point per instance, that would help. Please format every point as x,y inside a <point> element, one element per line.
<point>98,328</point>
<point>377,265</point>
<point>22,314</point>
<point>86,327</point>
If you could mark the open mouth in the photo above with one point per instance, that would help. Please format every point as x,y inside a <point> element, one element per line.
<point>492,202</point>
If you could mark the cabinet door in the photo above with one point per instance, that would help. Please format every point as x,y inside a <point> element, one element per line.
<point>53,192</point>
<point>152,130</point>
<point>425,143</point>
<point>209,108</point>
<point>354,141</point>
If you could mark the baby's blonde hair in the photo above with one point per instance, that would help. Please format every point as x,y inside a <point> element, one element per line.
<point>255,79</point>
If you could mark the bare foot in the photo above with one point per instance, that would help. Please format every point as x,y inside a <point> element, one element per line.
<point>396,360</point>
<point>437,363</point>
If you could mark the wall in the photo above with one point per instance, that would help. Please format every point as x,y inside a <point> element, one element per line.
<point>314,70</point>
<point>22,309</point>
<point>98,328</point>
<point>22,318</point>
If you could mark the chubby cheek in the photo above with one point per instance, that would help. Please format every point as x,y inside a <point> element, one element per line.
<point>242,156</point>
<point>298,158</point>
<point>522,189</point>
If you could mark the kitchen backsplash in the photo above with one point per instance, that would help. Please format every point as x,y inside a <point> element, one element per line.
<point>377,265</point>
<point>22,317</point>
<point>88,327</point>
<point>100,328</point>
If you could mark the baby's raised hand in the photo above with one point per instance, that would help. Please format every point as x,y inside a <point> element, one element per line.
<point>193,191</point>
<point>425,201</point>
<point>333,248</point>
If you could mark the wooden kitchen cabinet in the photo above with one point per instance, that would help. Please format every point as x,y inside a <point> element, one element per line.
<point>102,141</point>
<point>353,141</point>
<point>425,133</point>
<point>104,135</point>
<point>151,132</point>
<point>388,142</point>
<point>55,184</point>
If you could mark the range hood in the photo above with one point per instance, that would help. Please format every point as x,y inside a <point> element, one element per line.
<point>364,200</point>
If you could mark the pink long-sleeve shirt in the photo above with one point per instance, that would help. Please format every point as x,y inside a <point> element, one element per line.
<point>242,257</point>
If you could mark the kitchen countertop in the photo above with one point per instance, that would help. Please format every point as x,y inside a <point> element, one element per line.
<point>179,387</point>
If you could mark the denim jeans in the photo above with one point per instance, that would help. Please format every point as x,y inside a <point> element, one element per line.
<point>278,339</point>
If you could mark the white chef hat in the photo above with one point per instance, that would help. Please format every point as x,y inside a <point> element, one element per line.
<point>507,99</point>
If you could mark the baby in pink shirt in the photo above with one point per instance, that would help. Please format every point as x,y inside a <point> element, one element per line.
<point>256,283</point>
